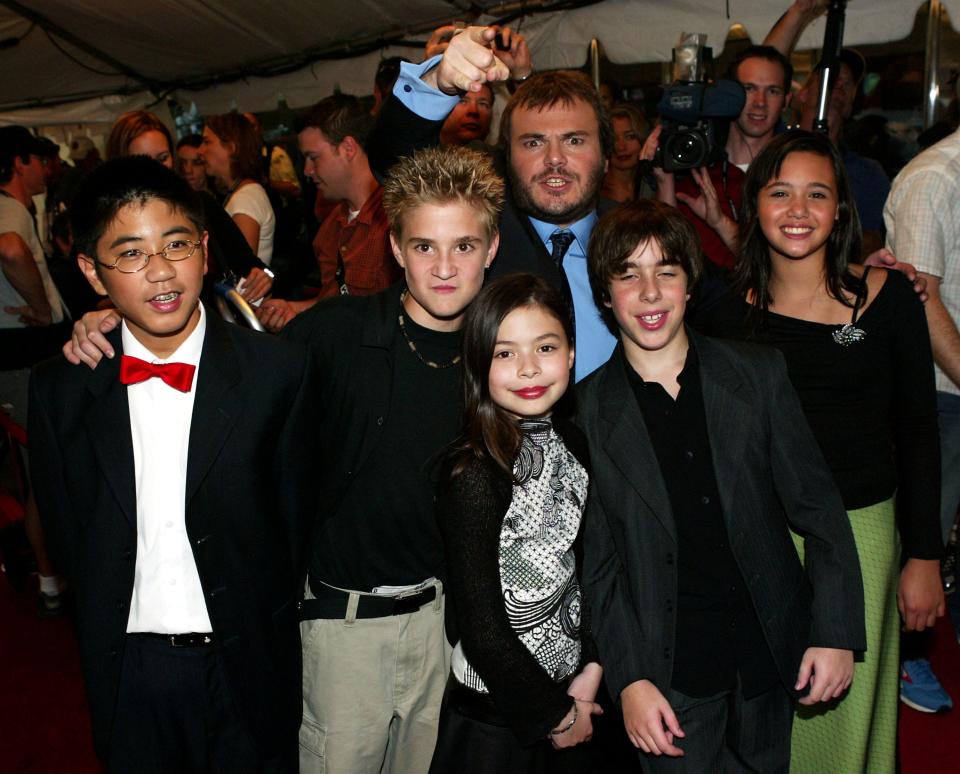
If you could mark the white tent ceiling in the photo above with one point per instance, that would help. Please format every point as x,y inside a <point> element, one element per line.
<point>88,60</point>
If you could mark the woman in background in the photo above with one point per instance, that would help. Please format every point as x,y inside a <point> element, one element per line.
<point>630,129</point>
<point>231,148</point>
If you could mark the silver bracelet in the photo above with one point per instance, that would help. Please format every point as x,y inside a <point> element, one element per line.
<point>524,78</point>
<point>571,724</point>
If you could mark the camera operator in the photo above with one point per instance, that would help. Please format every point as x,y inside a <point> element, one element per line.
<point>710,196</point>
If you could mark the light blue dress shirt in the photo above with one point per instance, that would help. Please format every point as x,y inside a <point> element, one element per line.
<point>595,343</point>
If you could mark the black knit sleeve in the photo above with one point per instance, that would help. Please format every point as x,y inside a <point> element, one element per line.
<point>916,436</point>
<point>471,511</point>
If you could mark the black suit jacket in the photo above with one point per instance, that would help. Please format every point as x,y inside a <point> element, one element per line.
<point>771,478</point>
<point>247,502</point>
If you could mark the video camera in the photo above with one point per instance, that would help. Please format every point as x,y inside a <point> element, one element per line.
<point>691,109</point>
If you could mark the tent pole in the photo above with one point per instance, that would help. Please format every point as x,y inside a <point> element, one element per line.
<point>595,63</point>
<point>931,64</point>
<point>830,60</point>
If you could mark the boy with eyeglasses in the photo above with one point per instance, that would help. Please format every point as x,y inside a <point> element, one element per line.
<point>171,482</point>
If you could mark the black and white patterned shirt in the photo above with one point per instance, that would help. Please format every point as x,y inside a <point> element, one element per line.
<point>541,594</point>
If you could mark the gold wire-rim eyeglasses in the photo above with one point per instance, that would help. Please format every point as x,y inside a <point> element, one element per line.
<point>169,252</point>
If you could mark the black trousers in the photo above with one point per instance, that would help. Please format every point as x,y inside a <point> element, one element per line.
<point>729,733</point>
<point>175,715</point>
<point>475,739</point>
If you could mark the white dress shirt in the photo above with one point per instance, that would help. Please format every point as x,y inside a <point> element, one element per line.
<point>167,596</point>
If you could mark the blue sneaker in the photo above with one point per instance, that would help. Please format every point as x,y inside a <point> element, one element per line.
<point>920,689</point>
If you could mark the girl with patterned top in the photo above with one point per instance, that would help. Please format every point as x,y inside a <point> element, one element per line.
<point>511,499</point>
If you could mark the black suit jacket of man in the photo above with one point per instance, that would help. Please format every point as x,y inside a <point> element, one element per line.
<point>247,502</point>
<point>771,477</point>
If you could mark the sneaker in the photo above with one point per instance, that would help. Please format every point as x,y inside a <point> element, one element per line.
<point>920,689</point>
<point>50,605</point>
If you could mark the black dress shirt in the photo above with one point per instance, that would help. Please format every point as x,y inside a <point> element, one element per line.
<point>718,633</point>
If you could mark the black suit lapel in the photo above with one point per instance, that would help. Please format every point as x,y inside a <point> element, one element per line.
<point>725,410</point>
<point>628,443</point>
<point>217,404</point>
<point>107,423</point>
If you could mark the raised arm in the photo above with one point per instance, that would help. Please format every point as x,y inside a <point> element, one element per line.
<point>424,95</point>
<point>789,27</point>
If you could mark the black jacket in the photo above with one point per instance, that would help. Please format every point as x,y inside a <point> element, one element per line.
<point>771,478</point>
<point>349,340</point>
<point>247,503</point>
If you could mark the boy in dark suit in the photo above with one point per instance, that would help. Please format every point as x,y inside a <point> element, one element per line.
<point>172,484</point>
<point>707,624</point>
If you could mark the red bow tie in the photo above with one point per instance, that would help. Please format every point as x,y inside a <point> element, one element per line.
<point>177,375</point>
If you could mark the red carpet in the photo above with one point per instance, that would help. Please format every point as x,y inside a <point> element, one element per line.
<point>930,744</point>
<point>44,727</point>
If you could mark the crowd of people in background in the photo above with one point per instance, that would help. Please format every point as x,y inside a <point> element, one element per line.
<point>560,462</point>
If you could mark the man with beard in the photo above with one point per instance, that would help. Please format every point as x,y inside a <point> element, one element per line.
<point>555,137</point>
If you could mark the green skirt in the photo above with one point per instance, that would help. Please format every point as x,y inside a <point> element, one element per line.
<point>858,732</point>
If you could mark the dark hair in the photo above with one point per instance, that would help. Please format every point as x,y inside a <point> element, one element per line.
<point>191,141</point>
<point>622,230</point>
<point>387,73</point>
<point>246,159</point>
<point>122,181</point>
<point>544,90</point>
<point>129,127</point>
<point>339,116</point>
<point>763,52</point>
<point>752,273</point>
<point>490,432</point>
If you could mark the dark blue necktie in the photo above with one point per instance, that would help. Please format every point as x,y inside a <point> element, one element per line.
<point>561,240</point>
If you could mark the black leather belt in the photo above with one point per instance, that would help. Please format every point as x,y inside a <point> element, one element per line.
<point>332,603</point>
<point>188,640</point>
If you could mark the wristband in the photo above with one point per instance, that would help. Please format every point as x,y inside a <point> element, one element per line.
<point>571,724</point>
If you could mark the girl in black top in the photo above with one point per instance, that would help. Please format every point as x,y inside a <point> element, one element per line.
<point>858,353</point>
<point>512,496</point>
